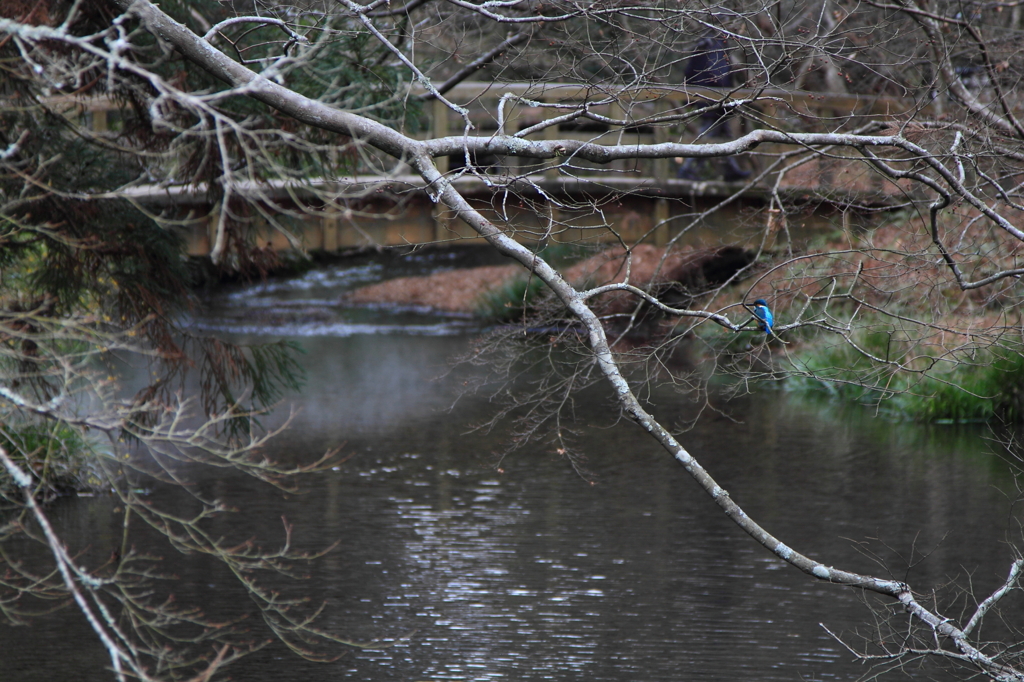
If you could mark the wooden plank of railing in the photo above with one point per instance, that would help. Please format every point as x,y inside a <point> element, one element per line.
<point>806,102</point>
<point>551,133</point>
<point>640,102</point>
<point>661,172</point>
<point>879,105</point>
<point>439,128</point>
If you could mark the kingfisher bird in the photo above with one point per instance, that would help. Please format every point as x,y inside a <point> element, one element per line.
<point>764,316</point>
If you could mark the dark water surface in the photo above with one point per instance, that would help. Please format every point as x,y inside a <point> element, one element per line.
<point>468,573</point>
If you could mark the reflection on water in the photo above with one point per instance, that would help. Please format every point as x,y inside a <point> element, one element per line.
<point>466,573</point>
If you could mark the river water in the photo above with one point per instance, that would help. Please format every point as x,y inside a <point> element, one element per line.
<point>458,570</point>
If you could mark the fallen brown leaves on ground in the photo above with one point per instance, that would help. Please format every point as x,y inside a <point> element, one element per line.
<point>455,291</point>
<point>459,291</point>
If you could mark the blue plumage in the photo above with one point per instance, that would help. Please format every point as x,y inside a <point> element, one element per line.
<point>764,316</point>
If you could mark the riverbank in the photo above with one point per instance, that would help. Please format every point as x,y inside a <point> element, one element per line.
<point>938,355</point>
<point>942,355</point>
<point>478,290</point>
<point>884,323</point>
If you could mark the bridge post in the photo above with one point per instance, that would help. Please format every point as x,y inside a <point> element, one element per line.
<point>212,218</point>
<point>329,222</point>
<point>617,111</point>
<point>439,128</point>
<point>329,231</point>
<point>100,124</point>
<point>661,173</point>
<point>551,174</point>
<point>550,133</point>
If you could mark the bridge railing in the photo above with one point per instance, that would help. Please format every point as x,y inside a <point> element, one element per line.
<point>631,114</point>
<point>516,107</point>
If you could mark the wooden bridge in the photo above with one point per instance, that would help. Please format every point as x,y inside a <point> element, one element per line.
<point>641,199</point>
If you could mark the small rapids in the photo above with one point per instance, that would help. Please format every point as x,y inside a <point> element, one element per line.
<point>312,304</point>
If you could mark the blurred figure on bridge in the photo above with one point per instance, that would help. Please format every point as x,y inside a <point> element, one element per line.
<point>710,67</point>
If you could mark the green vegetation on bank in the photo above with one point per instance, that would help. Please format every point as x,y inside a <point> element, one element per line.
<point>516,298</point>
<point>510,301</point>
<point>882,323</point>
<point>955,389</point>
<point>82,280</point>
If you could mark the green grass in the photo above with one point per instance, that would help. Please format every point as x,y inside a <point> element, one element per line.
<point>561,255</point>
<point>992,391</point>
<point>930,383</point>
<point>514,299</point>
<point>511,301</point>
<point>977,389</point>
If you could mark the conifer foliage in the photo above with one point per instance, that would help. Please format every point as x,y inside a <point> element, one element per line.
<point>91,283</point>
